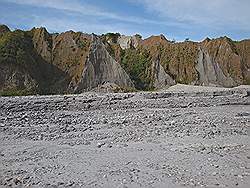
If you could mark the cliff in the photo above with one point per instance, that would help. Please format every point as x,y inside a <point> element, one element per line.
<point>101,68</point>
<point>37,62</point>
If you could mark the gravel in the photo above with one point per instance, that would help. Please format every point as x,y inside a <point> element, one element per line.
<point>171,138</point>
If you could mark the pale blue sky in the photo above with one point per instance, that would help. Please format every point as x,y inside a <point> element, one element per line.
<point>176,19</point>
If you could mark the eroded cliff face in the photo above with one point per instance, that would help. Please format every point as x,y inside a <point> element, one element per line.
<point>126,42</point>
<point>70,52</point>
<point>66,51</point>
<point>4,29</point>
<point>101,68</point>
<point>218,62</point>
<point>160,78</point>
<point>39,62</point>
<point>14,79</point>
<point>243,50</point>
<point>22,69</point>
<point>222,54</point>
<point>210,73</point>
<point>42,42</point>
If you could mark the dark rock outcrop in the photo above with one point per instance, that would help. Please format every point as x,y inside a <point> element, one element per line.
<point>4,29</point>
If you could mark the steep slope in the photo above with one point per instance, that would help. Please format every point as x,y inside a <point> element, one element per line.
<point>210,72</point>
<point>16,60</point>
<point>23,70</point>
<point>174,62</point>
<point>101,68</point>
<point>4,29</point>
<point>39,62</point>
<point>178,60</point>
<point>223,58</point>
<point>243,50</point>
<point>67,52</point>
<point>42,42</point>
<point>70,53</point>
<point>160,77</point>
<point>215,62</point>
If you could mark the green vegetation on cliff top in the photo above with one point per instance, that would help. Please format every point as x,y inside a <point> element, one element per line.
<point>137,64</point>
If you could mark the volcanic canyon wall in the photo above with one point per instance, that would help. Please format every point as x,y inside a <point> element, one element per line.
<point>37,62</point>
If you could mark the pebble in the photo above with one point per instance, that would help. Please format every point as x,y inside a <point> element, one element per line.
<point>99,144</point>
<point>103,127</point>
<point>214,173</point>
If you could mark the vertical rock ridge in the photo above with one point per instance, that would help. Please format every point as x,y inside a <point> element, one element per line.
<point>161,78</point>
<point>210,72</point>
<point>101,68</point>
<point>42,42</point>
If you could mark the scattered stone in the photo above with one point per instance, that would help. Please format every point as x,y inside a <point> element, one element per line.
<point>242,114</point>
<point>214,173</point>
<point>99,145</point>
<point>17,180</point>
<point>159,138</point>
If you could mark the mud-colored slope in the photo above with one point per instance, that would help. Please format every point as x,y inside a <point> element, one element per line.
<point>70,52</point>
<point>243,49</point>
<point>69,62</point>
<point>218,62</point>
<point>224,59</point>
<point>22,69</point>
<point>67,51</point>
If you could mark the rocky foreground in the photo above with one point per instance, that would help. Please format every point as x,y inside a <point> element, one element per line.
<point>171,138</point>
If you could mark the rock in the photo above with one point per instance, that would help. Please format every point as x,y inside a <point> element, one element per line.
<point>9,179</point>
<point>161,78</point>
<point>210,72</point>
<point>242,114</point>
<point>127,42</point>
<point>214,173</point>
<point>100,68</point>
<point>77,62</point>
<point>4,29</point>
<point>60,183</point>
<point>240,176</point>
<point>17,180</point>
<point>99,144</point>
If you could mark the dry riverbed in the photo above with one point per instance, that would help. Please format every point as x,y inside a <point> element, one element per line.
<point>171,138</point>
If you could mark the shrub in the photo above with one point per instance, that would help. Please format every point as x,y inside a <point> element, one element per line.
<point>137,64</point>
<point>16,92</point>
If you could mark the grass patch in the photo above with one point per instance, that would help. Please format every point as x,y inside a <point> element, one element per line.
<point>16,92</point>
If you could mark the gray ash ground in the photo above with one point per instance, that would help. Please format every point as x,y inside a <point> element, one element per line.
<point>160,139</point>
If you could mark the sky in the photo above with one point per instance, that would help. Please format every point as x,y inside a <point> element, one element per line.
<point>176,19</point>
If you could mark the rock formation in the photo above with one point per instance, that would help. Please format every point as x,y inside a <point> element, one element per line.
<point>4,29</point>
<point>126,42</point>
<point>160,77</point>
<point>36,61</point>
<point>15,79</point>
<point>101,68</point>
<point>210,72</point>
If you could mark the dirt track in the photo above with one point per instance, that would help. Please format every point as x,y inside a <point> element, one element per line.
<point>165,139</point>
